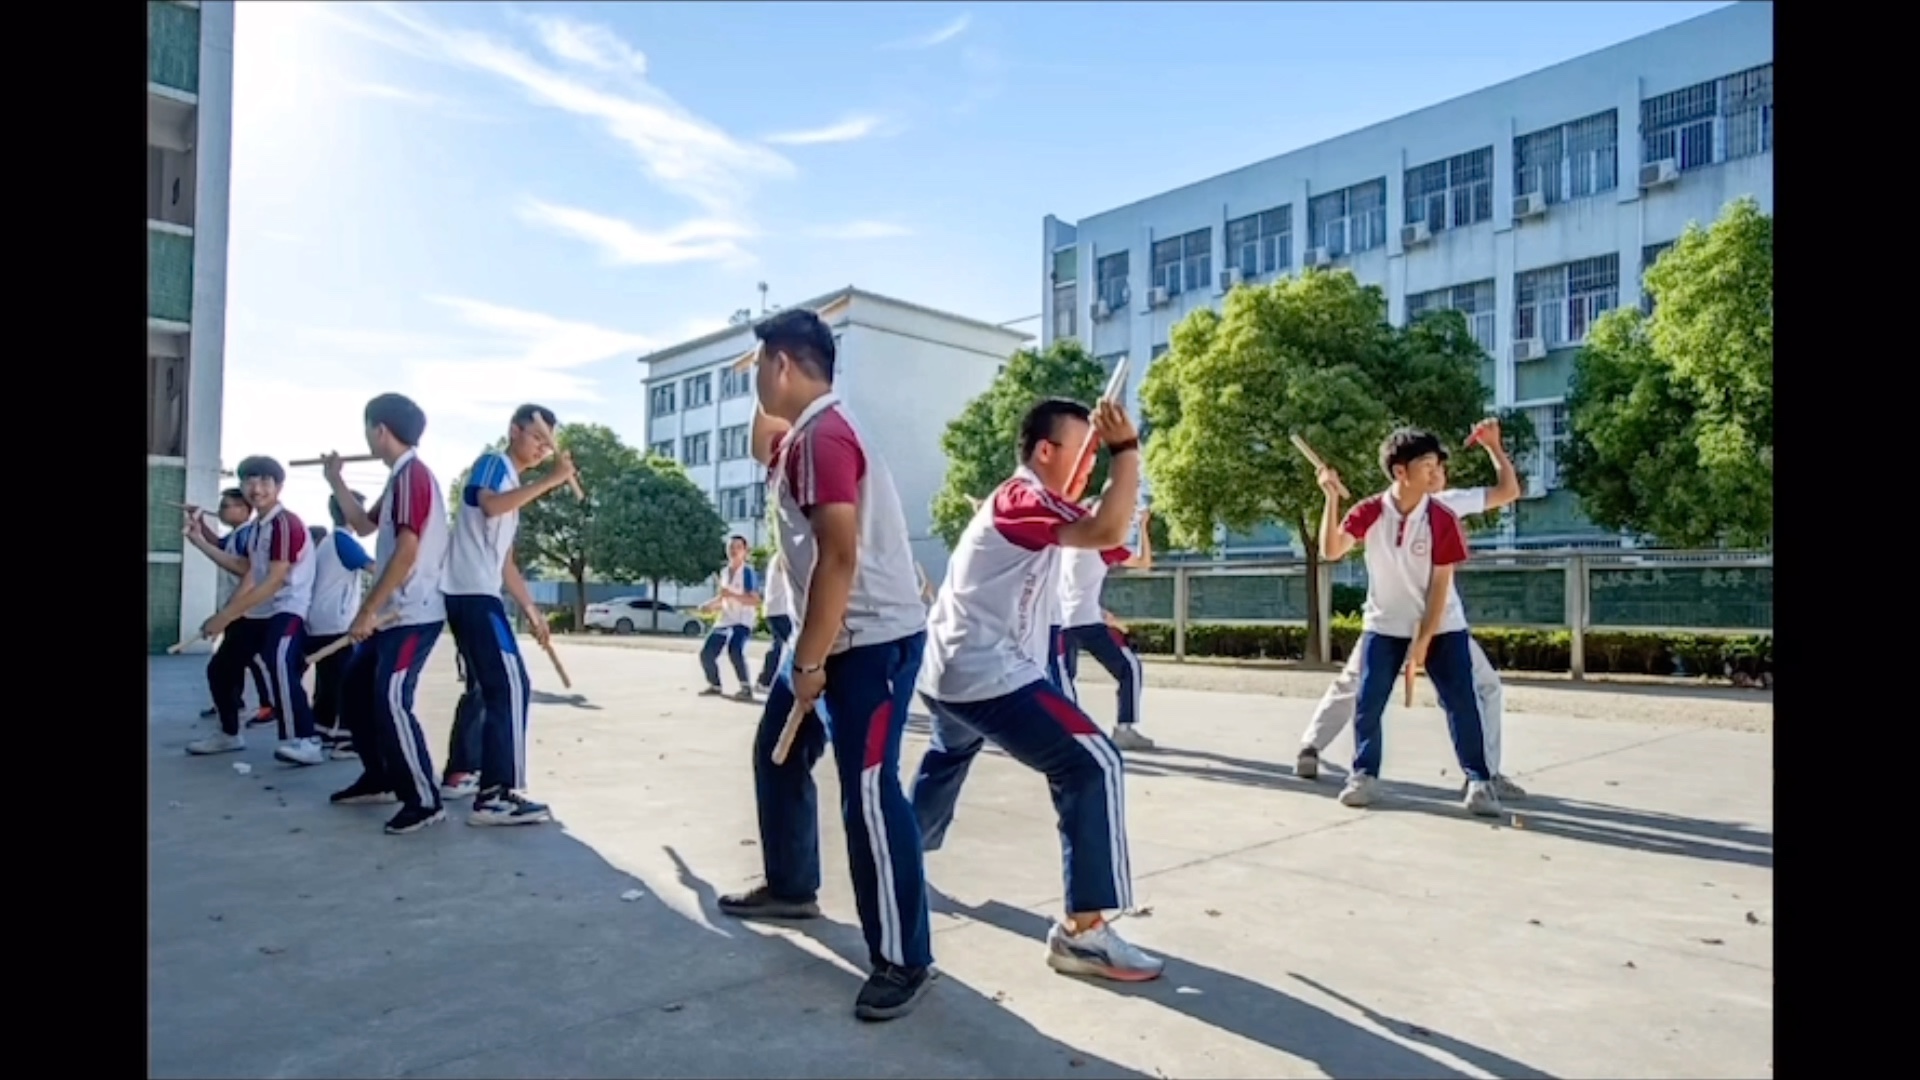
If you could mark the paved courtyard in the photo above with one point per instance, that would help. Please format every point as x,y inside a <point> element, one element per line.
<point>1619,923</point>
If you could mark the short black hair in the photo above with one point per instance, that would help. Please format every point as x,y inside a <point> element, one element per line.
<point>339,516</point>
<point>262,466</point>
<point>524,415</point>
<point>737,536</point>
<point>802,335</point>
<point>233,495</point>
<point>1407,445</point>
<point>399,415</point>
<point>319,533</point>
<point>1039,423</point>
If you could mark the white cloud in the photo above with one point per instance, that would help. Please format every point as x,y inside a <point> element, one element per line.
<point>848,130</point>
<point>585,43</point>
<point>938,37</point>
<point>395,93</point>
<point>624,244</point>
<point>679,151</point>
<point>860,230</point>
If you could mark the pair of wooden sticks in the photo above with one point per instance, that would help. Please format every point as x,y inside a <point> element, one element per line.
<point>355,459</point>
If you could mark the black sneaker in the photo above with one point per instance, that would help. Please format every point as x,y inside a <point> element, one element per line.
<point>765,686</point>
<point>499,806</point>
<point>362,792</point>
<point>209,713</point>
<point>1307,765</point>
<point>263,717</point>
<point>761,904</point>
<point>745,693</point>
<point>711,691</point>
<point>412,819</point>
<point>892,991</point>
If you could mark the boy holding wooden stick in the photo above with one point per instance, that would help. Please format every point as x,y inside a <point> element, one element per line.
<point>1413,615</point>
<point>398,621</point>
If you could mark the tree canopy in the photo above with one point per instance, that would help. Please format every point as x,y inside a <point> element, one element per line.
<point>1671,417</point>
<point>1315,356</point>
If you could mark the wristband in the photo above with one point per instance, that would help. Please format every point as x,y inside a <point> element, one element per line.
<point>1122,447</point>
<point>808,669</point>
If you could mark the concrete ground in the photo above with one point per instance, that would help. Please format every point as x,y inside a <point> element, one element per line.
<point>1617,924</point>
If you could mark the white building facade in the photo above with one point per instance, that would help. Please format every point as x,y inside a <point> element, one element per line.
<point>1532,207</point>
<point>905,372</point>
<point>189,154</point>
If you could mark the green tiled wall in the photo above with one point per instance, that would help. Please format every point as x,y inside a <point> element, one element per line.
<point>173,46</point>
<point>169,276</point>
<point>1556,515</point>
<point>166,485</point>
<point>163,606</point>
<point>1538,380</point>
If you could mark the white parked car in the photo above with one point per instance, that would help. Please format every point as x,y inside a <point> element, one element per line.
<point>636,614</point>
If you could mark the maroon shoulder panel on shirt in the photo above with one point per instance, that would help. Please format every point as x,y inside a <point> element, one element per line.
<point>826,463</point>
<point>1030,516</point>
<point>1449,535</point>
<point>1362,516</point>
<point>1114,556</point>
<point>288,540</point>
<point>412,498</point>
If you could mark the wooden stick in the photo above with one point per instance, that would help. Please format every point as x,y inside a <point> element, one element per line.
<point>345,459</point>
<point>578,491</point>
<point>346,640</point>
<point>1115,390</point>
<point>1314,460</point>
<point>179,647</point>
<point>557,665</point>
<point>788,733</point>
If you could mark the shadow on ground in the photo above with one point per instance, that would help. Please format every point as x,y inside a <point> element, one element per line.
<point>1341,1049</point>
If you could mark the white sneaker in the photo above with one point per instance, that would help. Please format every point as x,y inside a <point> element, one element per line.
<point>1101,952</point>
<point>220,743</point>
<point>463,788</point>
<point>1361,790</point>
<point>1482,800</point>
<point>301,752</point>
<point>1126,738</point>
<point>1507,789</point>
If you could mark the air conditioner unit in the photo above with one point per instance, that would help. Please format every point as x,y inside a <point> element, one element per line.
<point>1527,206</point>
<point>1157,297</point>
<point>1229,278</point>
<point>1101,310</point>
<point>1527,349</point>
<point>1659,173</point>
<point>1415,234</point>
<point>1319,257</point>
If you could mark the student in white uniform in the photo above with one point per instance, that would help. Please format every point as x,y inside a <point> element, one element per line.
<point>1336,707</point>
<point>777,603</point>
<point>338,583</point>
<point>1085,624</point>
<point>739,608</point>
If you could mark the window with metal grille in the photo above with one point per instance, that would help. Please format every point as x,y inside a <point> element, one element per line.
<point>1110,278</point>
<point>1569,161</point>
<point>1474,301</point>
<point>1452,194</point>
<point>1559,304</point>
<point>733,442</point>
<point>1349,221</point>
<point>1184,263</point>
<point>735,384</point>
<point>1550,423</point>
<point>694,449</point>
<point>1066,299</point>
<point>1710,123</point>
<point>664,448</point>
<point>736,503</point>
<point>699,390</point>
<point>660,401</point>
<point>1648,256</point>
<point>1261,244</point>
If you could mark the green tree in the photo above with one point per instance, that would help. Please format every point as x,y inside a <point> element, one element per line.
<point>654,524</point>
<point>1313,356</point>
<point>1671,416</point>
<point>982,443</point>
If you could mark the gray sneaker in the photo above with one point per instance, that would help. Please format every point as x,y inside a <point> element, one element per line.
<point>221,743</point>
<point>1307,765</point>
<point>745,693</point>
<point>301,752</point>
<point>1361,790</point>
<point>1503,787</point>
<point>1481,800</point>
<point>1100,952</point>
<point>1126,738</point>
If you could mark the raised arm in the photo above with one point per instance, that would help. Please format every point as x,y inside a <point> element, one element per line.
<point>489,474</point>
<point>1336,539</point>
<point>1506,488</point>
<point>1143,560</point>
<point>196,535</point>
<point>767,431</point>
<point>361,522</point>
<point>1107,527</point>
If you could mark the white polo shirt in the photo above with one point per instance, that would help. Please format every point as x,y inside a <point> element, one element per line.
<point>282,537</point>
<point>412,501</point>
<point>777,598</point>
<point>480,546</point>
<point>987,632</point>
<point>238,542</point>
<point>1083,573</point>
<point>821,461</point>
<point>1402,552</point>
<point>338,560</point>
<point>732,612</point>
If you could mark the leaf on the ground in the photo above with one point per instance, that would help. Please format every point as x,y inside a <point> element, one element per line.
<point>672,1007</point>
<point>1416,1029</point>
<point>1144,913</point>
<point>1633,965</point>
<point>1212,914</point>
<point>1712,941</point>
<point>1533,922</point>
<point>1613,783</point>
<point>295,829</point>
<point>999,995</point>
<point>1752,919</point>
<point>1076,1062</point>
<point>271,950</point>
<point>748,843</point>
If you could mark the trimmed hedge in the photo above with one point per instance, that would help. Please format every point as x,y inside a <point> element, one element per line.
<point>1607,652</point>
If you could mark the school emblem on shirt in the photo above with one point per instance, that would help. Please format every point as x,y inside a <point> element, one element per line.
<point>1420,548</point>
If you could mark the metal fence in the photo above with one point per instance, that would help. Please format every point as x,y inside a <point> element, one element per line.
<point>1698,592</point>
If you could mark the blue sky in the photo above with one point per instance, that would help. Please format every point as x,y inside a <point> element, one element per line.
<point>480,204</point>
